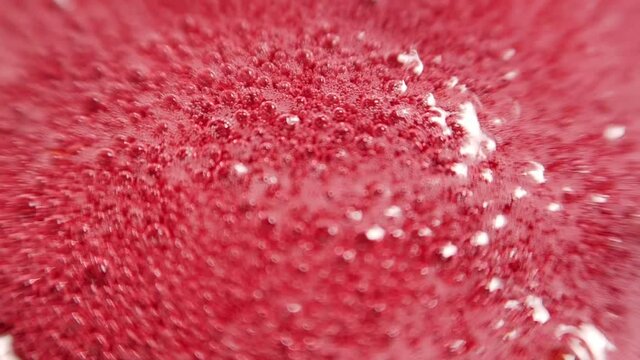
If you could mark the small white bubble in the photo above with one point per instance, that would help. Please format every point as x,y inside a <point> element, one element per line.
<point>294,308</point>
<point>349,255</point>
<point>437,59</point>
<point>499,324</point>
<point>460,169</point>
<point>271,180</point>
<point>457,345</point>
<point>508,54</point>
<point>361,35</point>
<point>387,264</point>
<point>539,314</point>
<point>511,335</point>
<point>512,304</point>
<point>448,250</point>
<point>425,232</point>
<point>468,120</point>
<point>487,175</point>
<point>499,222</point>
<point>375,233</point>
<point>511,75</point>
<point>397,233</point>
<point>614,132</point>
<point>494,284</point>
<point>519,193</point>
<point>599,198</point>
<point>497,121</point>
<point>554,207</point>
<point>240,169</point>
<point>490,144</point>
<point>394,331</point>
<point>480,238</point>
<point>393,211</point>
<point>430,100</point>
<point>292,120</point>
<point>355,215</point>
<point>537,173</point>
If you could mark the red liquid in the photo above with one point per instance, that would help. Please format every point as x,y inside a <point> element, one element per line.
<point>217,181</point>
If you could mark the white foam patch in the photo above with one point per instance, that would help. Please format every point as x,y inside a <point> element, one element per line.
<point>430,100</point>
<point>614,132</point>
<point>375,233</point>
<point>441,118</point>
<point>393,211</point>
<point>539,313</point>
<point>6,348</point>
<point>554,207</point>
<point>599,198</point>
<point>499,221</point>
<point>468,120</point>
<point>597,344</point>
<point>480,238</point>
<point>537,173</point>
<point>448,250</point>
<point>240,169</point>
<point>490,145</point>
<point>460,169</point>
<point>494,284</point>
<point>487,175</point>
<point>511,75</point>
<point>519,193</point>
<point>508,54</point>
<point>411,61</point>
<point>512,304</point>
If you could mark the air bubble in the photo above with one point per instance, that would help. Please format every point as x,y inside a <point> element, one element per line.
<point>294,308</point>
<point>375,233</point>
